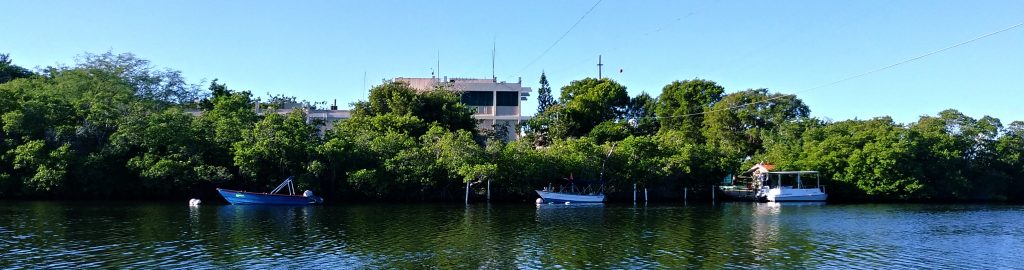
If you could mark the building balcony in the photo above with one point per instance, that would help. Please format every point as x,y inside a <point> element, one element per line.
<point>507,110</point>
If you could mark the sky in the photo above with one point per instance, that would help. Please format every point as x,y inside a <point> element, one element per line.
<point>832,54</point>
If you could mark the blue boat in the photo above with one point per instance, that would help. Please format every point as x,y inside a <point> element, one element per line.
<point>566,197</point>
<point>254,198</point>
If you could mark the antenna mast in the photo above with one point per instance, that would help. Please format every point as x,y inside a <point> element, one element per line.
<point>599,65</point>
<point>494,49</point>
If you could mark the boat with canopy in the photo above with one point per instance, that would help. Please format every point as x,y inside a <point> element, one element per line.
<point>760,183</point>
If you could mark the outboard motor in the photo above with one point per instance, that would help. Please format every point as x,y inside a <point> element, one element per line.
<point>307,193</point>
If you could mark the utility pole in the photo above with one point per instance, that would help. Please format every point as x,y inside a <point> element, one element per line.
<point>599,65</point>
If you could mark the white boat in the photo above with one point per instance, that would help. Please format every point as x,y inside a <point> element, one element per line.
<point>570,194</point>
<point>566,197</point>
<point>790,191</point>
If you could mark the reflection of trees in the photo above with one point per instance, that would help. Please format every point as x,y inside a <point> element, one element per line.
<point>729,235</point>
<point>416,236</point>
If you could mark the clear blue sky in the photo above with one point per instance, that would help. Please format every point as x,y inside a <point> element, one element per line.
<point>319,50</point>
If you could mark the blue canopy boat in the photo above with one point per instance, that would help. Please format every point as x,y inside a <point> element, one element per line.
<point>245,197</point>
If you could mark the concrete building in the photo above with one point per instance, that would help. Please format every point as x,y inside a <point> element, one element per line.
<point>497,104</point>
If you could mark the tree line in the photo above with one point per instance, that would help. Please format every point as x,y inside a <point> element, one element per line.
<point>113,125</point>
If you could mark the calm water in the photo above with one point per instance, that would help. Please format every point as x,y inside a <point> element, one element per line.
<point>726,235</point>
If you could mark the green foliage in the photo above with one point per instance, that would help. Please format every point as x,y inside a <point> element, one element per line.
<point>166,85</point>
<point>167,152</point>
<point>45,167</point>
<point>393,97</point>
<point>682,103</point>
<point>441,106</point>
<point>610,131</point>
<point>278,146</point>
<point>688,164</point>
<point>543,126</point>
<point>113,125</point>
<point>579,157</point>
<point>641,159</point>
<point>1009,152</point>
<point>222,125</point>
<point>10,71</point>
<point>587,103</point>
<point>457,153</point>
<point>544,98</point>
<point>739,122</point>
<point>444,107</point>
<point>872,158</point>
<point>641,115</point>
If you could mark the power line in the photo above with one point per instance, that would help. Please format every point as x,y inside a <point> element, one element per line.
<point>635,35</point>
<point>560,38</point>
<point>919,57</point>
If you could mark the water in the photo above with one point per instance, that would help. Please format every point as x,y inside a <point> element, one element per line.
<point>726,235</point>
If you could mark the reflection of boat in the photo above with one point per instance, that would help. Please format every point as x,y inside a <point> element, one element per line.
<point>244,197</point>
<point>574,214</point>
<point>795,204</point>
<point>760,187</point>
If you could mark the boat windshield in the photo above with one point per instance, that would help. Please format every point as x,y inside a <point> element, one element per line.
<point>795,179</point>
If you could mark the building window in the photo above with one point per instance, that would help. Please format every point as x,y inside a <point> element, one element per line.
<point>508,98</point>
<point>478,98</point>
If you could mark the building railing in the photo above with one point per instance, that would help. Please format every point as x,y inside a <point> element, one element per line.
<point>507,110</point>
<point>485,110</point>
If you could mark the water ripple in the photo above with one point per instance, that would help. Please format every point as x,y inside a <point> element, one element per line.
<point>732,235</point>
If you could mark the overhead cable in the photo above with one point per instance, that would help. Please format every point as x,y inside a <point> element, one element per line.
<point>919,57</point>
<point>560,38</point>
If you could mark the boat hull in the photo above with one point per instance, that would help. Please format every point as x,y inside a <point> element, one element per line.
<point>796,195</point>
<point>251,198</point>
<point>558,197</point>
<point>740,193</point>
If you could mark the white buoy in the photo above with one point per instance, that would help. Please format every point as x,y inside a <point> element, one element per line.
<point>194,202</point>
<point>540,201</point>
<point>567,203</point>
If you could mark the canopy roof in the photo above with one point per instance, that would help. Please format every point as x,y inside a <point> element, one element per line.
<point>794,172</point>
<point>760,168</point>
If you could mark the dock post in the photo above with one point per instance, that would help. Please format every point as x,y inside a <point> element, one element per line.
<point>684,193</point>
<point>467,192</point>
<point>645,195</point>
<point>634,193</point>
<point>712,193</point>
<point>488,190</point>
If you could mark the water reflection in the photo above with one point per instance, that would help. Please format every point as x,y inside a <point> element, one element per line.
<point>725,235</point>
